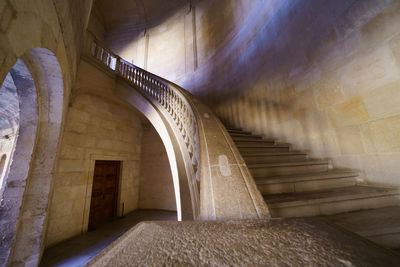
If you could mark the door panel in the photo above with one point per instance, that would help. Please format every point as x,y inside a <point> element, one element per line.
<point>103,206</point>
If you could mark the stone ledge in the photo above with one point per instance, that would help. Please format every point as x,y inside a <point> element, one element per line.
<point>273,242</point>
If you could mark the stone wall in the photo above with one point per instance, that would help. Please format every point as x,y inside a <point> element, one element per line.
<point>97,128</point>
<point>26,27</point>
<point>336,92</point>
<point>158,48</point>
<point>324,75</point>
<point>156,185</point>
<point>179,46</point>
<point>55,25</point>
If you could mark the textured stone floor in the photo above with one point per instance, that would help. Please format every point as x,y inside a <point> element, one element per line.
<point>275,242</point>
<point>80,250</point>
<point>381,226</point>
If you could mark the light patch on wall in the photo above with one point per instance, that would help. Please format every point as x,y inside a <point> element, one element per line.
<point>163,132</point>
<point>224,167</point>
<point>2,167</point>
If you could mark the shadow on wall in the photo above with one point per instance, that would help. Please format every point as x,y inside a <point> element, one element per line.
<point>254,45</point>
<point>329,84</point>
<point>217,24</point>
<point>156,182</point>
<point>128,21</point>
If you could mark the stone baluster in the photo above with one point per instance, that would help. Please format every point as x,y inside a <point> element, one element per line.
<point>103,56</point>
<point>123,69</point>
<point>109,60</point>
<point>170,99</point>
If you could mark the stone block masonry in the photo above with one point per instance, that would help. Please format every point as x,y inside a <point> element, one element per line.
<point>96,129</point>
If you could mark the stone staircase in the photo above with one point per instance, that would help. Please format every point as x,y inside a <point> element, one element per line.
<point>295,185</point>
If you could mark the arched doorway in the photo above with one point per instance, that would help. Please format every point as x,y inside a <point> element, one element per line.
<point>26,187</point>
<point>9,125</point>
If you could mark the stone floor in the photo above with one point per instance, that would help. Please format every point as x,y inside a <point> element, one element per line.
<point>80,250</point>
<point>275,242</point>
<point>381,226</point>
<point>300,241</point>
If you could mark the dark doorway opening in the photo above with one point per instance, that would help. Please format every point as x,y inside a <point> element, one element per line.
<point>103,205</point>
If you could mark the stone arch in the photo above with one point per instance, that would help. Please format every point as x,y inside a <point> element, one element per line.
<point>186,202</point>
<point>9,125</point>
<point>38,78</point>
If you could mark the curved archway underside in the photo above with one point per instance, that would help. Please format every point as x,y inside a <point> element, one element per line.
<point>38,79</point>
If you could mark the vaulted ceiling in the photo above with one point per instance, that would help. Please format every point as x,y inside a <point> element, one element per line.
<point>135,14</point>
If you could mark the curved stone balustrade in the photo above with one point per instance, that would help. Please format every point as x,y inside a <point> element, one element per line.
<point>206,150</point>
<point>173,101</point>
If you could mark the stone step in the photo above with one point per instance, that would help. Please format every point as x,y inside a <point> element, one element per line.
<point>332,201</point>
<point>254,158</point>
<point>237,131</point>
<point>230,127</point>
<point>306,182</point>
<point>295,186</point>
<point>251,138</point>
<point>280,147</point>
<point>288,168</point>
<point>254,143</point>
<point>249,135</point>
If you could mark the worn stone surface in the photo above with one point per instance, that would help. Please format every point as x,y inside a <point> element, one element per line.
<point>275,242</point>
<point>378,225</point>
<point>78,251</point>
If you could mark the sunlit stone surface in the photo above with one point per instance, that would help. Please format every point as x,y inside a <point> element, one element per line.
<point>276,242</point>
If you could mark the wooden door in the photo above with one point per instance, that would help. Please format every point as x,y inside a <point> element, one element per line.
<point>103,206</point>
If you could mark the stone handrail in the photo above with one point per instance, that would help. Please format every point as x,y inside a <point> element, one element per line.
<point>215,162</point>
<point>170,97</point>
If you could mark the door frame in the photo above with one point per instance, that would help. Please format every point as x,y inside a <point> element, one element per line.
<point>116,190</point>
<point>123,177</point>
